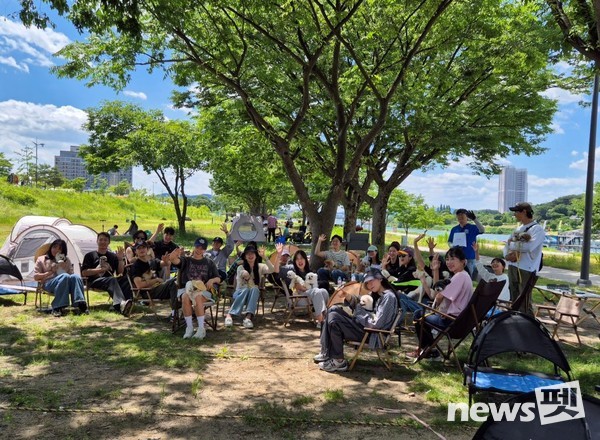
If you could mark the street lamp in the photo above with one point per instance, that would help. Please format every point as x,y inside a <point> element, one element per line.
<point>36,160</point>
<point>153,182</point>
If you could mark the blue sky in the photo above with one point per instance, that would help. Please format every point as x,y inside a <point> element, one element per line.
<point>34,104</point>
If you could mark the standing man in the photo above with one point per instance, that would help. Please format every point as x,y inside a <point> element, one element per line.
<point>523,252</point>
<point>219,254</point>
<point>102,267</point>
<point>271,227</point>
<point>464,235</point>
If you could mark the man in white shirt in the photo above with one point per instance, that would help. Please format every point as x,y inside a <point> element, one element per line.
<point>523,253</point>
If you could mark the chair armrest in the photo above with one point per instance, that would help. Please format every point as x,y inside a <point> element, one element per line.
<point>377,330</point>
<point>544,307</point>
<point>437,312</point>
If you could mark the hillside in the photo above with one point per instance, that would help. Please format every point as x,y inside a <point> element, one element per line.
<point>91,209</point>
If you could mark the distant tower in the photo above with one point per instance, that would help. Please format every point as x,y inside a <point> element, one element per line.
<point>512,188</point>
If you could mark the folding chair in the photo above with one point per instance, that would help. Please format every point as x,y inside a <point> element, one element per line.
<point>467,322</point>
<point>566,312</point>
<point>138,292</point>
<point>384,340</point>
<point>178,320</point>
<point>296,303</point>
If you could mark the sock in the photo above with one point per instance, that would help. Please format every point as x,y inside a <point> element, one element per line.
<point>200,321</point>
<point>188,322</point>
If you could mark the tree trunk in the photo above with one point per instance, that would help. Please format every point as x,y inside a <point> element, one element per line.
<point>350,213</point>
<point>321,224</point>
<point>379,207</point>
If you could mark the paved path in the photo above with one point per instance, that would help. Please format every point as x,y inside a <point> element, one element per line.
<point>552,273</point>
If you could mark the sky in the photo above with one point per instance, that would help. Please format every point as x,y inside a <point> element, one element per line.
<point>36,106</point>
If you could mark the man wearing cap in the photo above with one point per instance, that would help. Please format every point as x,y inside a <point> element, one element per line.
<point>194,268</point>
<point>523,252</point>
<point>220,255</point>
<point>464,235</point>
<point>285,265</point>
<point>144,272</point>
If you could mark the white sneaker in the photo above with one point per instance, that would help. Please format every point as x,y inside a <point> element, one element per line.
<point>247,323</point>
<point>200,333</point>
<point>189,332</point>
<point>228,321</point>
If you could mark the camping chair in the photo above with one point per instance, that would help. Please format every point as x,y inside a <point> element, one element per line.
<point>566,312</point>
<point>384,340</point>
<point>512,332</point>
<point>466,323</point>
<point>10,288</point>
<point>179,321</point>
<point>296,302</point>
<point>354,261</point>
<point>139,292</point>
<point>522,298</point>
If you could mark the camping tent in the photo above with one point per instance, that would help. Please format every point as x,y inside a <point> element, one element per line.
<point>31,232</point>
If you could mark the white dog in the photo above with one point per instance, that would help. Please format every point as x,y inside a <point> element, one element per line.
<point>366,301</point>
<point>295,280</point>
<point>311,281</point>
<point>418,293</point>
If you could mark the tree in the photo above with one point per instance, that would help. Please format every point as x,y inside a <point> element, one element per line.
<point>120,189</point>
<point>319,80</point>
<point>123,134</point>
<point>26,164</point>
<point>410,211</point>
<point>5,166</point>
<point>78,184</point>
<point>49,176</point>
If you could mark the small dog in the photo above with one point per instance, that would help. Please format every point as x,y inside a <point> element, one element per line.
<point>366,301</point>
<point>311,281</point>
<point>418,293</point>
<point>60,258</point>
<point>295,280</point>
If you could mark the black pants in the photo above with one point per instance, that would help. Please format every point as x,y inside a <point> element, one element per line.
<point>270,233</point>
<point>339,326</point>
<point>166,290</point>
<point>117,287</point>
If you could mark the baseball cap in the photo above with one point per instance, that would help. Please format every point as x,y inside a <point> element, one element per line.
<point>372,274</point>
<point>218,240</point>
<point>141,244</point>
<point>406,250</point>
<point>523,206</point>
<point>201,242</point>
<point>372,248</point>
<point>286,252</point>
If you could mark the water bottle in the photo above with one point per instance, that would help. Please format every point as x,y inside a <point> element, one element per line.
<point>339,282</point>
<point>353,277</point>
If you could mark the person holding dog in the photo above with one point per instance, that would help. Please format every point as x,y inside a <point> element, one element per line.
<point>318,296</point>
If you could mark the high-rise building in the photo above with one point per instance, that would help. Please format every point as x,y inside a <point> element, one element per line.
<point>71,166</point>
<point>512,188</point>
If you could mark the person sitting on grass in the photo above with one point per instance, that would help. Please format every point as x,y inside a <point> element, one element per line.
<point>55,271</point>
<point>102,268</point>
<point>337,262</point>
<point>248,277</point>
<point>450,300</point>
<point>191,269</point>
<point>340,326</point>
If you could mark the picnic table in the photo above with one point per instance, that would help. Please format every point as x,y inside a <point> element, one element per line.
<point>552,293</point>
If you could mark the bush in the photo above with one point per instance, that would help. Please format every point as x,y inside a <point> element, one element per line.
<point>17,195</point>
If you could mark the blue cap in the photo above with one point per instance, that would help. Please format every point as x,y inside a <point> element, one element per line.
<point>201,242</point>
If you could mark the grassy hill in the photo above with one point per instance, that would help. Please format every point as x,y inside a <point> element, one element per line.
<point>94,209</point>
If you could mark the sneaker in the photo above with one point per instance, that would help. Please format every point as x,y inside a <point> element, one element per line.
<point>57,313</point>
<point>413,354</point>
<point>126,307</point>
<point>228,321</point>
<point>189,332</point>
<point>83,308</point>
<point>333,365</point>
<point>247,323</point>
<point>200,333</point>
<point>321,357</point>
<point>434,356</point>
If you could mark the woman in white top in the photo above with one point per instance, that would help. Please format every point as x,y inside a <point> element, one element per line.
<point>248,277</point>
<point>498,266</point>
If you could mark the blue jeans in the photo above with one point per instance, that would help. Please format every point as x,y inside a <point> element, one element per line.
<point>246,296</point>
<point>62,286</point>
<point>425,337</point>
<point>324,276</point>
<point>408,305</point>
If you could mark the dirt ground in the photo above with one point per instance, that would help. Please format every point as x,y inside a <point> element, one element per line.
<point>259,383</point>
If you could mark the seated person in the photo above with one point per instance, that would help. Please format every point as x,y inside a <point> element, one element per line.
<point>340,326</point>
<point>371,259</point>
<point>319,297</point>
<point>248,277</point>
<point>451,300</point>
<point>196,267</point>
<point>55,271</point>
<point>140,237</point>
<point>133,228</point>
<point>220,254</point>
<point>285,265</point>
<point>102,268</point>
<point>144,272</point>
<point>114,230</point>
<point>166,245</point>
<point>337,262</point>
<point>498,266</point>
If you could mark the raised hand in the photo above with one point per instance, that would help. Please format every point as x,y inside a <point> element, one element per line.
<point>435,262</point>
<point>261,251</point>
<point>470,215</point>
<point>431,244</point>
<point>322,237</point>
<point>120,252</point>
<point>419,237</point>
<point>224,228</point>
<point>279,248</point>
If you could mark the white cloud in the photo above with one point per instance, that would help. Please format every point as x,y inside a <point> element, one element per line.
<point>557,129</point>
<point>582,164</point>
<point>138,95</point>
<point>29,46</point>
<point>11,62</point>
<point>574,153</point>
<point>562,96</point>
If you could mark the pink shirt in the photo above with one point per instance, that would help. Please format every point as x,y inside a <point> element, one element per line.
<point>271,222</point>
<point>458,293</point>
